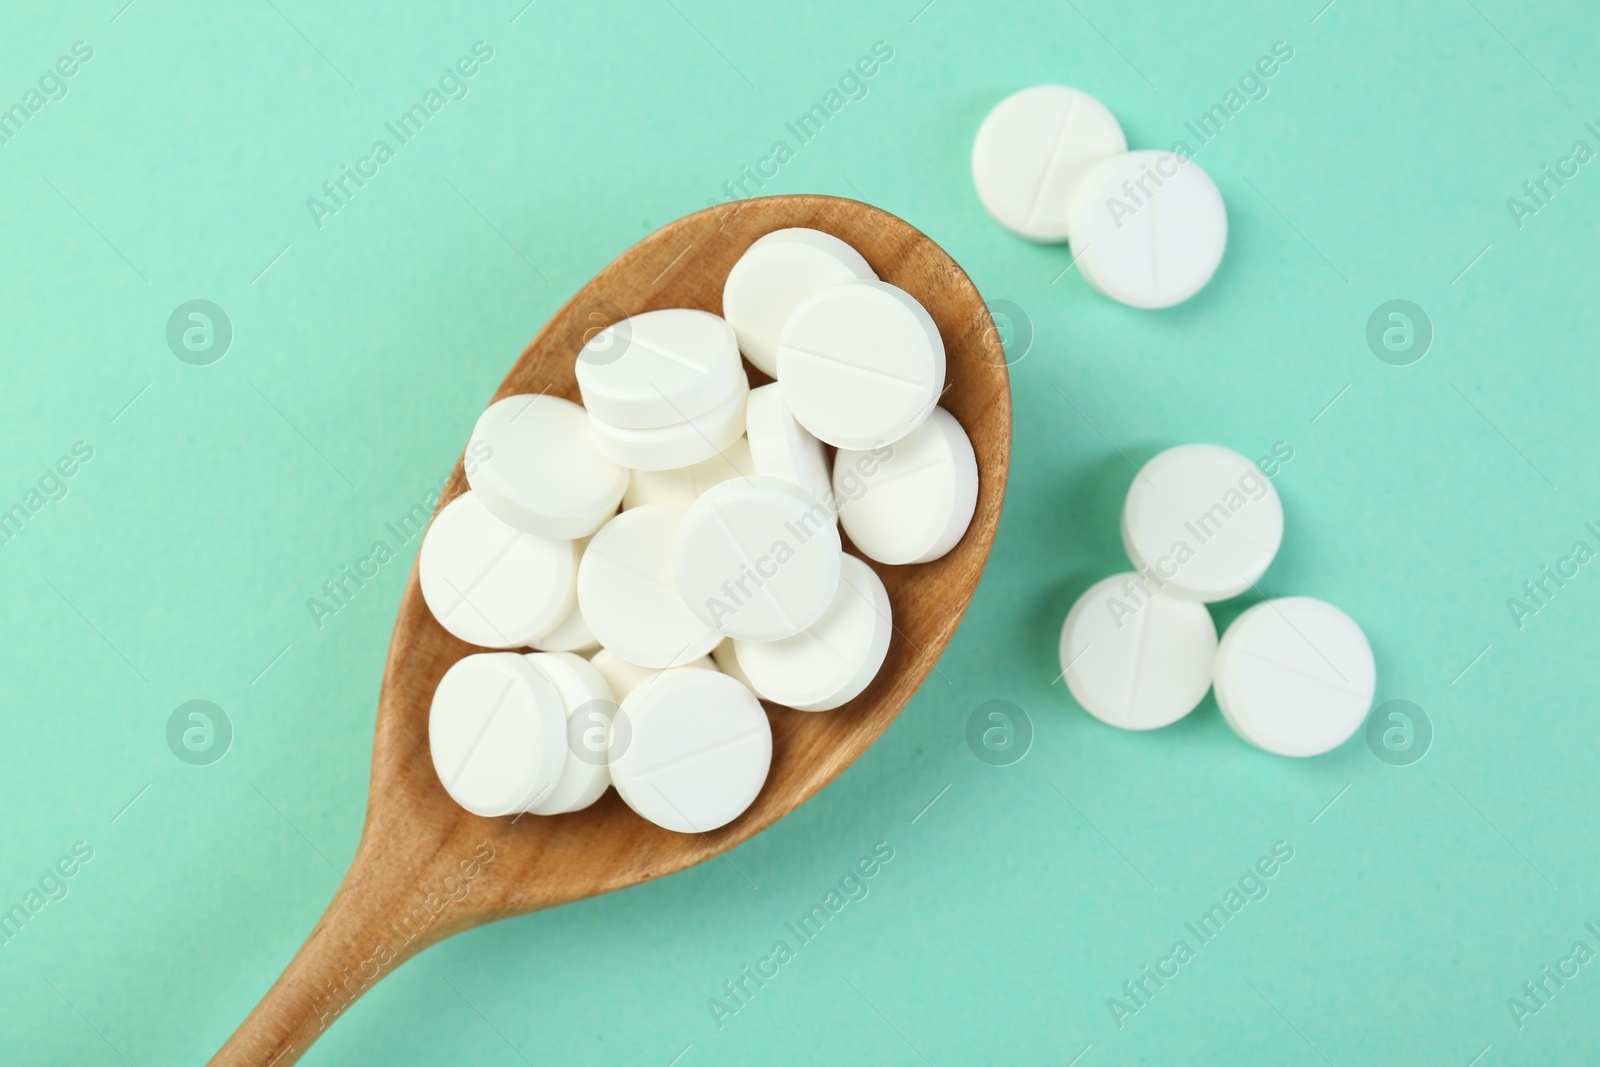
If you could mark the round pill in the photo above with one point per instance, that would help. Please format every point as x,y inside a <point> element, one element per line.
<point>726,660</point>
<point>544,473</point>
<point>1202,521</point>
<point>627,593</point>
<point>1148,228</point>
<point>589,707</point>
<point>860,364</point>
<point>1136,658</point>
<point>1033,150</point>
<point>491,584</point>
<point>757,559</point>
<point>832,661</point>
<point>497,734</point>
<point>571,634</point>
<point>659,368</point>
<point>678,445</point>
<point>911,501</point>
<point>773,276</point>
<point>780,446</point>
<point>698,753</point>
<point>682,486</point>
<point>624,677</point>
<point>1295,676</point>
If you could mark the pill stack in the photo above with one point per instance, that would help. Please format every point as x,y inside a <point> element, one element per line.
<point>1139,650</point>
<point>655,632</point>
<point>1145,228</point>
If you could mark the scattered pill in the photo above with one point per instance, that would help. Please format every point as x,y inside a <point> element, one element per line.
<point>491,584</point>
<point>1295,676</point>
<point>660,368</point>
<point>544,473</point>
<point>698,753</point>
<point>628,596</point>
<point>832,661</point>
<point>1148,228</point>
<point>909,502</point>
<point>588,704</point>
<point>861,364</point>
<point>682,486</point>
<point>497,733</point>
<point>780,446</point>
<point>1136,658</point>
<point>773,276</point>
<point>757,558</point>
<point>1203,521</point>
<point>1033,151</point>
<point>681,444</point>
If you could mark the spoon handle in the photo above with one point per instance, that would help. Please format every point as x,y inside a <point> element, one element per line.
<point>389,908</point>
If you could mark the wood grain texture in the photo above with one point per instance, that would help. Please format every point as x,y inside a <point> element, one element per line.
<point>425,869</point>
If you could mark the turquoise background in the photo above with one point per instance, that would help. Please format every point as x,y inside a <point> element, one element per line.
<point>219,498</point>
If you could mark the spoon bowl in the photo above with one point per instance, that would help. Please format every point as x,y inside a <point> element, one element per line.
<point>426,869</point>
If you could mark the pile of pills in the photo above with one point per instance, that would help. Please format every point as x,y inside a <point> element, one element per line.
<point>1201,524</point>
<point>1145,228</point>
<point>657,630</point>
<point>1139,650</point>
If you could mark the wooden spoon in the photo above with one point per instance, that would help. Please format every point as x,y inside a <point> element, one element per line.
<point>425,869</point>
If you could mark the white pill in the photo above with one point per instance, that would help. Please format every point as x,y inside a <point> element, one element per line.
<point>1148,228</point>
<point>832,661</point>
<point>757,558</point>
<point>726,660</point>
<point>1033,150</point>
<point>590,709</point>
<point>780,446</point>
<point>624,677</point>
<point>697,753</point>
<point>1136,658</point>
<point>861,364</point>
<point>544,473</point>
<point>1203,521</point>
<point>680,444</point>
<point>571,634</point>
<point>628,596</point>
<point>682,486</point>
<point>497,733</point>
<point>1295,676</point>
<point>911,501</point>
<point>491,584</point>
<point>773,276</point>
<point>659,368</point>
